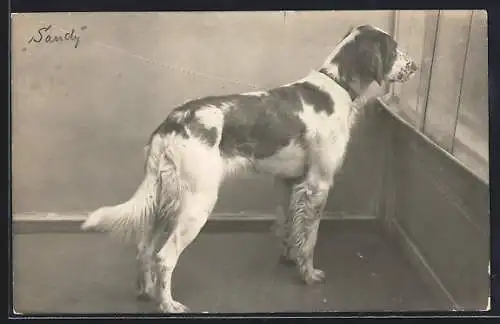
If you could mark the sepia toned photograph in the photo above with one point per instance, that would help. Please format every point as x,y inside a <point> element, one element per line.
<point>250,162</point>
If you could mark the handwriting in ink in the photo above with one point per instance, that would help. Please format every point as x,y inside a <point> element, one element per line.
<point>44,35</point>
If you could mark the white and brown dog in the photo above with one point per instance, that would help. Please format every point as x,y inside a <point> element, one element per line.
<point>298,133</point>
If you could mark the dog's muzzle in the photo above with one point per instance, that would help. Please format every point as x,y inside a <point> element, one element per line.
<point>403,68</point>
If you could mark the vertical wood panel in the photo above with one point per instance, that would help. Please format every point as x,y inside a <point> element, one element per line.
<point>446,78</point>
<point>431,22</point>
<point>471,136</point>
<point>415,35</point>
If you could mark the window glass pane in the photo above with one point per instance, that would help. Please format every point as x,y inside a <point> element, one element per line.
<point>446,76</point>
<point>471,137</point>
<point>410,34</point>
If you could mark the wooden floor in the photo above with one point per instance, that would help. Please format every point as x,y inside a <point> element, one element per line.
<point>220,272</point>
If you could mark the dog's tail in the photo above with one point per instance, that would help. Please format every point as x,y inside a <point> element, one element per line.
<point>157,199</point>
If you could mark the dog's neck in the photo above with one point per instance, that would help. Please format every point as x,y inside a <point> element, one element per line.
<point>361,93</point>
<point>354,87</point>
<point>332,73</point>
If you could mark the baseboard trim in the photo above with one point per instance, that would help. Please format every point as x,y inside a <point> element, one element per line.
<point>31,223</point>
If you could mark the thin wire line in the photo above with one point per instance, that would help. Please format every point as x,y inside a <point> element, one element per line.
<point>177,67</point>
<point>167,66</point>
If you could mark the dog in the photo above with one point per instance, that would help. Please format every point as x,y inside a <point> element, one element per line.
<point>298,133</point>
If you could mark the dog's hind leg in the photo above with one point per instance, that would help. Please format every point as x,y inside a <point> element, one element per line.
<point>190,221</point>
<point>202,171</point>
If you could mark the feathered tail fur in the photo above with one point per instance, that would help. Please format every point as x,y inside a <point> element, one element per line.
<point>157,199</point>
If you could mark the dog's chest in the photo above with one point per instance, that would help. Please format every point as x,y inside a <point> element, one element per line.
<point>328,135</point>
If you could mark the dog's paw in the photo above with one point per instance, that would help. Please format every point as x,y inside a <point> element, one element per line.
<point>314,277</point>
<point>173,306</point>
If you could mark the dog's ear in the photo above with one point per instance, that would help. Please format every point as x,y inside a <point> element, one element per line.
<point>370,61</point>
<point>382,50</point>
<point>377,65</point>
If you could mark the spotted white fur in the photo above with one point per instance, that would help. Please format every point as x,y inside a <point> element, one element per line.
<point>255,93</point>
<point>184,173</point>
<point>287,162</point>
<point>211,117</point>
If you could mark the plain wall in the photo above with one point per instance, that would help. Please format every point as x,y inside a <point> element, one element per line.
<point>81,116</point>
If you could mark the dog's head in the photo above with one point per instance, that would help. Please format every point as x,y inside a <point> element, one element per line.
<point>369,54</point>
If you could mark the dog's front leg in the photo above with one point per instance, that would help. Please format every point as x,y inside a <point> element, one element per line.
<point>307,203</point>
<point>146,274</point>
<point>283,189</point>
